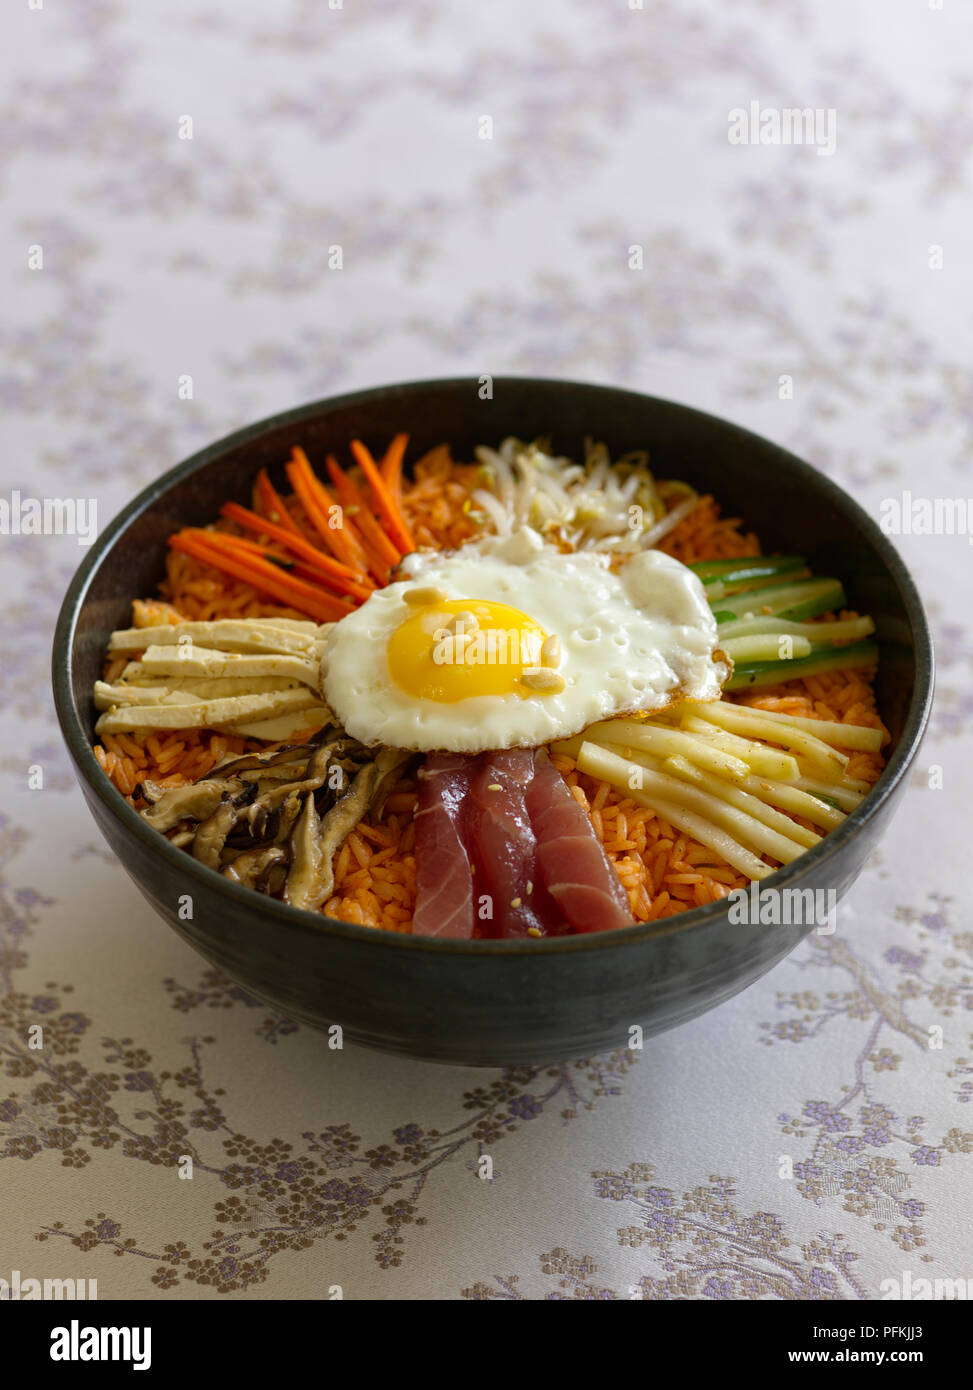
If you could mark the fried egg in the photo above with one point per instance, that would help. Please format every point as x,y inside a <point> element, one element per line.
<point>508,642</point>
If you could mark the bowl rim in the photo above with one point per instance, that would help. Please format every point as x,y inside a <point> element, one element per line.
<point>280,915</point>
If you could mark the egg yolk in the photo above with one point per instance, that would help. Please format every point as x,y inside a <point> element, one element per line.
<point>459,648</point>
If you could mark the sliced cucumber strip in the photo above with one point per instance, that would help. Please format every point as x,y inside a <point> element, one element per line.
<point>716,589</point>
<point>844,630</point>
<point>747,567</point>
<point>764,647</point>
<point>802,600</point>
<point>749,674</point>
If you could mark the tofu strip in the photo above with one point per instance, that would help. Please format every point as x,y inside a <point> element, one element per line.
<point>192,691</point>
<point>204,661</point>
<point>227,633</point>
<point>286,725</point>
<point>206,714</point>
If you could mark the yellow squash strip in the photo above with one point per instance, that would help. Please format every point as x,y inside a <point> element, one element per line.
<point>847,794</point>
<point>750,834</point>
<point>740,719</point>
<point>652,738</point>
<point>699,828</point>
<point>743,801</point>
<point>858,737</point>
<point>789,797</point>
<point>764,761</point>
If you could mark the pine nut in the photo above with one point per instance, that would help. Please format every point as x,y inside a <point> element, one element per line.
<point>551,651</point>
<point>464,622</point>
<point>543,679</point>
<point>418,598</point>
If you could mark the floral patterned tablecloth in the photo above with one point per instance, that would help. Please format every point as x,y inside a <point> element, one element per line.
<point>548,189</point>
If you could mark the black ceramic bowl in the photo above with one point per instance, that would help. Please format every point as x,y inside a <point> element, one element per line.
<point>494,1002</point>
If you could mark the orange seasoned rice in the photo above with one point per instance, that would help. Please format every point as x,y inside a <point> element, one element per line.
<point>706,535</point>
<point>663,870</point>
<point>170,758</point>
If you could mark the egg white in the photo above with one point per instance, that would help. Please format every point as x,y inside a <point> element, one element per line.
<point>633,640</point>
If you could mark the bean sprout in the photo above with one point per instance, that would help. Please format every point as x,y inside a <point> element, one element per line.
<point>597,505</point>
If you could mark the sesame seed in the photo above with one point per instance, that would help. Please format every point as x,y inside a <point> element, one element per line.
<point>533,931</point>
<point>530,888</point>
<point>515,902</point>
<point>494,787</point>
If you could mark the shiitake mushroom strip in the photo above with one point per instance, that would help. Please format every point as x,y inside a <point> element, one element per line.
<point>274,821</point>
<point>316,840</point>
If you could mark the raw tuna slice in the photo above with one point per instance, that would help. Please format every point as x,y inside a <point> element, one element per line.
<point>444,879</point>
<point>571,864</point>
<point>502,845</point>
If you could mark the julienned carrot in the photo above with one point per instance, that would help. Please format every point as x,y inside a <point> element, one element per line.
<point>253,548</point>
<point>338,575</point>
<point>302,570</point>
<point>287,564</point>
<point>293,564</point>
<point>342,540</point>
<point>384,501</point>
<point>272,505</point>
<point>319,520</point>
<point>261,574</point>
<point>244,548</point>
<point>383,554</point>
<point>391,467</point>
